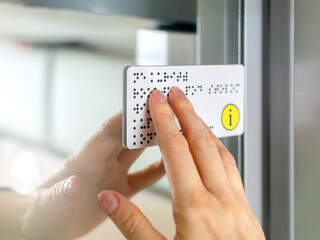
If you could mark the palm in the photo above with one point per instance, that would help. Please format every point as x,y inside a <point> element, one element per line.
<point>101,164</point>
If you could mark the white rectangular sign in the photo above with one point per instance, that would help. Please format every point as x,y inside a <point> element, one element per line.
<point>216,92</point>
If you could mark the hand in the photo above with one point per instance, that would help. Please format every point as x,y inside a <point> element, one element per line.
<point>66,205</point>
<point>208,198</point>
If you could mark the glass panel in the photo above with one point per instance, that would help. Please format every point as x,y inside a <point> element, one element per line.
<point>220,31</point>
<point>306,119</point>
<point>61,74</point>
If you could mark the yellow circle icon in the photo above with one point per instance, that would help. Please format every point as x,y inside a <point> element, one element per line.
<point>230,117</point>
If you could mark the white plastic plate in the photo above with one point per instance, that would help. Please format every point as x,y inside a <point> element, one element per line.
<point>216,92</point>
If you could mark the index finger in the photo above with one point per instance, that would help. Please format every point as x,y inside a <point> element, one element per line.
<point>180,167</point>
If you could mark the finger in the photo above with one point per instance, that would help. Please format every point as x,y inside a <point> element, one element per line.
<point>181,170</point>
<point>106,140</point>
<point>57,203</point>
<point>229,164</point>
<point>127,157</point>
<point>201,144</point>
<point>127,217</point>
<point>146,177</point>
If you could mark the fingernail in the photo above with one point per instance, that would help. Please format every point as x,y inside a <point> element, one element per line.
<point>178,92</point>
<point>68,188</point>
<point>159,96</point>
<point>110,203</point>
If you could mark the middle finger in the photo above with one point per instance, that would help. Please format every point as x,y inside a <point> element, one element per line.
<point>202,146</point>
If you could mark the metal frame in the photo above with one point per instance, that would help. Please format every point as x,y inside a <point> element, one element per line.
<point>254,141</point>
<point>180,11</point>
<point>218,43</point>
<point>281,120</point>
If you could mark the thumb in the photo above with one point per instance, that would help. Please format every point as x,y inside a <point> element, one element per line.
<point>51,209</point>
<point>127,217</point>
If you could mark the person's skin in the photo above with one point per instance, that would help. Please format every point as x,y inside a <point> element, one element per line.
<point>208,198</point>
<point>66,206</point>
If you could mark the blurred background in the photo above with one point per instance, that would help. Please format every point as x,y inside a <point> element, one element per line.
<point>61,66</point>
<point>61,78</point>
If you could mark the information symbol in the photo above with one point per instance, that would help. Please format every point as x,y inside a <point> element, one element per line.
<point>230,117</point>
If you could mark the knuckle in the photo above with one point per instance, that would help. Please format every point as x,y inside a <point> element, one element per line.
<point>229,202</point>
<point>228,158</point>
<point>203,141</point>
<point>198,201</point>
<point>129,225</point>
<point>104,125</point>
<point>175,141</point>
<point>163,112</point>
<point>185,106</point>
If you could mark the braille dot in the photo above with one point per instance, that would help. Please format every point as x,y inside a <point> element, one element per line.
<point>141,108</point>
<point>134,128</point>
<point>158,73</point>
<point>137,78</point>
<point>134,136</point>
<point>141,74</point>
<point>148,111</point>
<point>141,120</point>
<point>151,74</point>
<point>144,77</point>
<point>151,80</point>
<point>141,135</point>
<point>144,138</point>
<point>151,138</point>
<point>144,92</point>
<point>148,126</point>
<point>134,81</point>
<point>134,143</point>
<point>137,112</point>
<point>134,120</point>
<point>141,142</point>
<point>148,141</point>
<point>141,89</point>
<point>144,127</point>
<point>144,104</point>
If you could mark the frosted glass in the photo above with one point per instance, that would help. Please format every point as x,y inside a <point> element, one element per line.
<point>22,84</point>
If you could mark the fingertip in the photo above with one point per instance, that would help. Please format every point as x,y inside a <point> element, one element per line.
<point>176,92</point>
<point>158,96</point>
<point>109,201</point>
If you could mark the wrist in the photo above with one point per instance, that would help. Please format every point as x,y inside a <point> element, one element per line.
<point>13,207</point>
